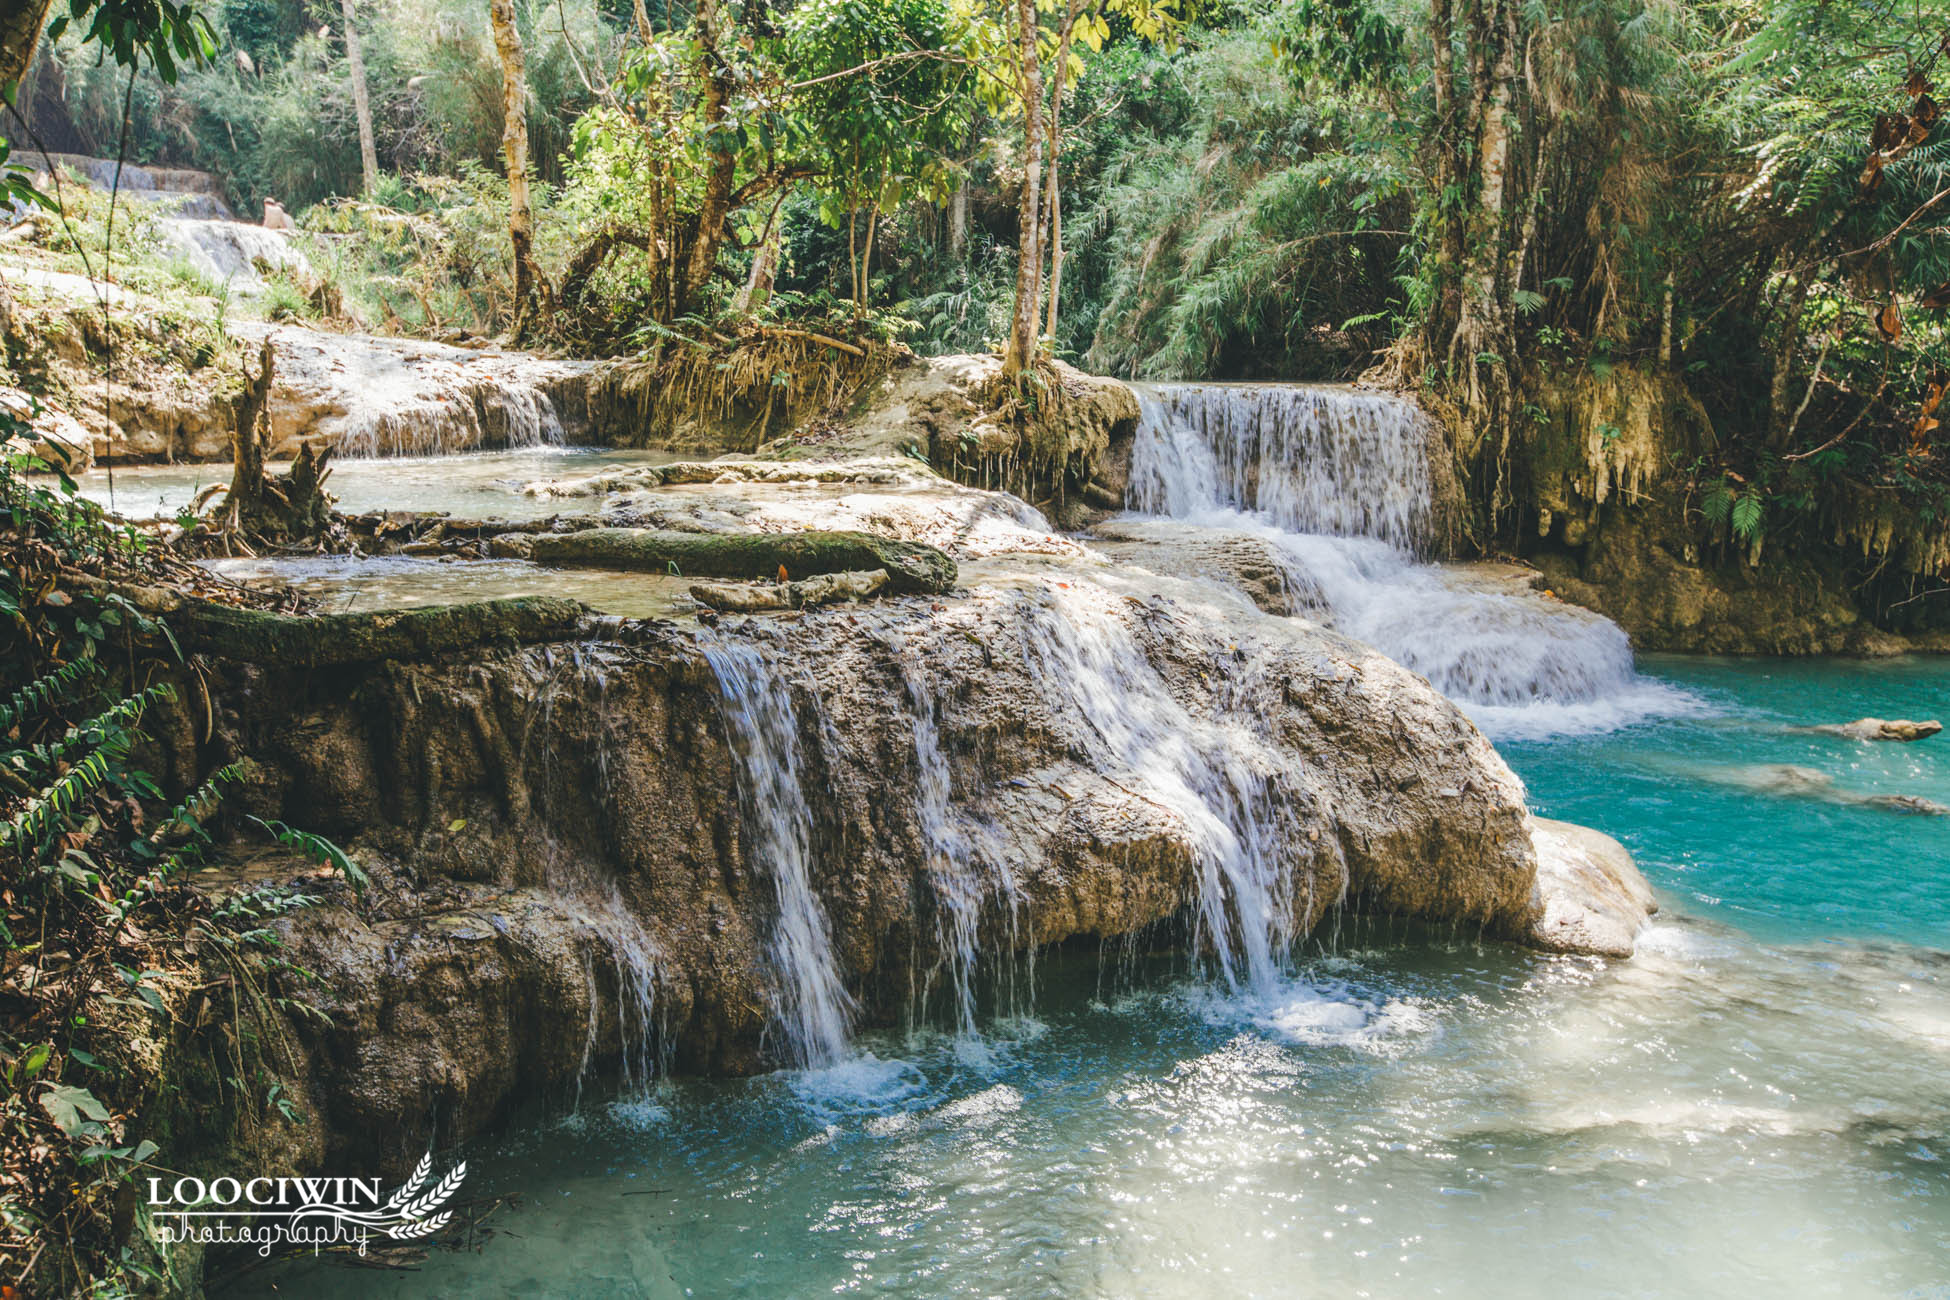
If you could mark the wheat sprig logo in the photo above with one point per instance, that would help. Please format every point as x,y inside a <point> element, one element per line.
<point>417,1211</point>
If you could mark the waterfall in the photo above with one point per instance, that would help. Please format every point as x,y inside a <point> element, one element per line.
<point>1200,770</point>
<point>633,962</point>
<point>1306,460</point>
<point>811,1005</point>
<point>230,252</point>
<point>1338,481</point>
<point>965,872</point>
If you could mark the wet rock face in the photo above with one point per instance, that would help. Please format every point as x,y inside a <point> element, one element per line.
<point>1589,896</point>
<point>1048,753</point>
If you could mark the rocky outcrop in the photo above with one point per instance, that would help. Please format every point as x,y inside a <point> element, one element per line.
<point>1589,896</point>
<point>1064,448</point>
<point>176,378</point>
<point>1119,756</point>
<point>1606,482</point>
<point>1884,729</point>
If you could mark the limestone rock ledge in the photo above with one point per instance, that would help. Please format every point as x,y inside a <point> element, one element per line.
<point>1589,896</point>
<point>562,858</point>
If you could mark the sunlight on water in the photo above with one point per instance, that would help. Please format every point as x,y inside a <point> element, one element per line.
<point>475,485</point>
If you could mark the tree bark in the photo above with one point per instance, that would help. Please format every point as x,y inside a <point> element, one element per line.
<point>716,204</point>
<point>529,288</point>
<point>250,422</point>
<point>361,105</point>
<point>20,36</point>
<point>765,264</point>
<point>958,221</point>
<point>1778,395</point>
<point>1029,244</point>
<point>1061,78</point>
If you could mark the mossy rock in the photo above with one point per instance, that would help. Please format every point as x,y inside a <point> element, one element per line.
<point>910,566</point>
<point>314,641</point>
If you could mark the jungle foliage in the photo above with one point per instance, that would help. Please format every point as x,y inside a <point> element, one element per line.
<point>1477,198</point>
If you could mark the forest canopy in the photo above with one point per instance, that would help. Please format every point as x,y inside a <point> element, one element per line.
<point>1480,199</point>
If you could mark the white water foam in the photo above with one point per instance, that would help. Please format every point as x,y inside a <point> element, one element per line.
<point>1200,770</point>
<point>810,1004</point>
<point>1338,480</point>
<point>967,872</point>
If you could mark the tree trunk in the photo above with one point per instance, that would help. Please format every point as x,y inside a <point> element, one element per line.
<point>958,221</point>
<point>361,105</point>
<point>716,204</point>
<point>514,147</point>
<point>250,423</point>
<point>1061,78</point>
<point>1778,395</point>
<point>865,282</point>
<point>20,35</point>
<point>1665,321</point>
<point>1029,244</point>
<point>765,264</point>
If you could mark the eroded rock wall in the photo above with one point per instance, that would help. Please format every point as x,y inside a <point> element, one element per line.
<point>525,811</point>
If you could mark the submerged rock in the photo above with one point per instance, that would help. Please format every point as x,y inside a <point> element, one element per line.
<point>1589,895</point>
<point>1792,780</point>
<point>1883,729</point>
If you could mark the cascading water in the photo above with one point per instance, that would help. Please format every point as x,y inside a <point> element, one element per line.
<point>964,872</point>
<point>1199,770</point>
<point>1338,481</point>
<point>811,1004</point>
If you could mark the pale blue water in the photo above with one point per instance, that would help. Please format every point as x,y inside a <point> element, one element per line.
<point>1757,1104</point>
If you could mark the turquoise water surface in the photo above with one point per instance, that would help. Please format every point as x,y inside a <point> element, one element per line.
<point>1758,1103</point>
<point>1723,833</point>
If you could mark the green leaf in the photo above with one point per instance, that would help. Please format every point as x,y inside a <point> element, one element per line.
<point>1747,516</point>
<point>75,1111</point>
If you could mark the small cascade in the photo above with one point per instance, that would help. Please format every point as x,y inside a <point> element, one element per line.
<point>486,413</point>
<point>1306,460</point>
<point>396,397</point>
<point>1338,481</point>
<point>812,1006</point>
<point>633,970</point>
<point>230,253</point>
<point>965,873</point>
<point>1201,771</point>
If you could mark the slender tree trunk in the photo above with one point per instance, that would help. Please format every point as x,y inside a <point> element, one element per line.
<point>20,34</point>
<point>866,256</point>
<point>529,288</point>
<point>1665,321</point>
<point>853,252</point>
<point>361,105</point>
<point>1029,244</point>
<point>716,203</point>
<point>958,221</point>
<point>1778,395</point>
<point>1061,78</point>
<point>765,264</point>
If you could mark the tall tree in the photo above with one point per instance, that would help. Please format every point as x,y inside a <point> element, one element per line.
<point>1028,76</point>
<point>530,288</point>
<point>361,104</point>
<point>20,32</point>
